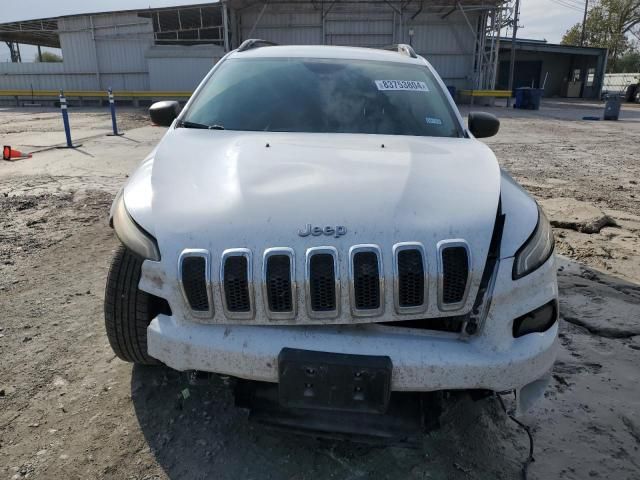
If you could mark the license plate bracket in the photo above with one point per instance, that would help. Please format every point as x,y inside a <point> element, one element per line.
<point>334,381</point>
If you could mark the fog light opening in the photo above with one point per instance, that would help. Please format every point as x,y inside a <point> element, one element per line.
<point>537,321</point>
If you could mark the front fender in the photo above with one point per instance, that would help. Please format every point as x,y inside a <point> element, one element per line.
<point>521,215</point>
<point>138,195</point>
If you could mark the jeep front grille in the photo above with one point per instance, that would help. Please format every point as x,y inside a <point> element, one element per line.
<point>195,280</point>
<point>237,283</point>
<point>363,275</point>
<point>454,274</point>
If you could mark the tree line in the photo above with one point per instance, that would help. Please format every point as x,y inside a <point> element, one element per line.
<point>612,24</point>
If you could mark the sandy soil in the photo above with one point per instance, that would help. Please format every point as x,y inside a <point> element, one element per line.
<point>70,409</point>
<point>578,162</point>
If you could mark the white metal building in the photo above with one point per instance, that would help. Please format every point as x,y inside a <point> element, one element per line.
<point>171,49</point>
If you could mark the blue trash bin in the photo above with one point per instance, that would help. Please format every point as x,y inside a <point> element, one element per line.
<point>521,98</point>
<point>528,98</point>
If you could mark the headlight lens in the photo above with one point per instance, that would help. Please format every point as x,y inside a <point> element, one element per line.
<point>130,233</point>
<point>536,250</point>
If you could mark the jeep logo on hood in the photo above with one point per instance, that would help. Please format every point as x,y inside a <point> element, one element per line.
<point>329,231</point>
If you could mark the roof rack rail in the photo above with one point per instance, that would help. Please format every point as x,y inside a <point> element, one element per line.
<point>254,43</point>
<point>403,49</point>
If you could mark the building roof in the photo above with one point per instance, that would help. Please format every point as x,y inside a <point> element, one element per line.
<point>440,5</point>
<point>529,45</point>
<point>44,31</point>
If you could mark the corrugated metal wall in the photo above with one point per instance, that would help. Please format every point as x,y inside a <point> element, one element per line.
<point>110,50</point>
<point>282,24</point>
<point>42,76</point>
<point>111,46</point>
<point>99,51</point>
<point>193,63</point>
<point>448,43</point>
<point>360,25</point>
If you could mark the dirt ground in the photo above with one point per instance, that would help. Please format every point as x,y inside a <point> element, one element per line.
<point>70,409</point>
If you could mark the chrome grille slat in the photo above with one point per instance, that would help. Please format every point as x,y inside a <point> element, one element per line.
<point>278,283</point>
<point>236,280</point>
<point>410,278</point>
<point>366,280</point>
<point>454,275</point>
<point>194,267</point>
<point>322,282</point>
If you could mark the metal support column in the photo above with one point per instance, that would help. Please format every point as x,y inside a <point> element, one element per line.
<point>255,24</point>
<point>95,52</point>
<point>512,62</point>
<point>225,26</point>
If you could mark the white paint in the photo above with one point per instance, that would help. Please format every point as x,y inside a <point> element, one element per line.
<point>416,189</point>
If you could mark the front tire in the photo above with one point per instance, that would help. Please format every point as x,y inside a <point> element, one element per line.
<point>128,311</point>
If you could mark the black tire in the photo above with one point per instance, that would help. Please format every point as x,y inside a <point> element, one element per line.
<point>127,310</point>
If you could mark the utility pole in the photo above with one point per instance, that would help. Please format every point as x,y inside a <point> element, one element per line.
<point>512,63</point>
<point>584,22</point>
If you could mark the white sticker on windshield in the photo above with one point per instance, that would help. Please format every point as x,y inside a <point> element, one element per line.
<point>433,121</point>
<point>405,85</point>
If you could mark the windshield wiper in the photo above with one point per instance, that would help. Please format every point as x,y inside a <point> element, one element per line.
<point>188,124</point>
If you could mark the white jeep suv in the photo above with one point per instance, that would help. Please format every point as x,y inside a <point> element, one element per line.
<point>321,219</point>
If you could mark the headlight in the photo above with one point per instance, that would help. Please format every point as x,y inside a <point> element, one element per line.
<point>130,233</point>
<point>536,250</point>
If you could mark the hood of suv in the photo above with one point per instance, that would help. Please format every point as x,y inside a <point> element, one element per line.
<point>218,190</point>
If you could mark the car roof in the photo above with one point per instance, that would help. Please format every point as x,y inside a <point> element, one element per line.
<point>327,52</point>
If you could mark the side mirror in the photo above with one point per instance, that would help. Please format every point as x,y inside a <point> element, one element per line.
<point>164,113</point>
<point>483,124</point>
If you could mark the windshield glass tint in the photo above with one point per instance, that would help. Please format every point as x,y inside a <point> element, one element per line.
<point>324,96</point>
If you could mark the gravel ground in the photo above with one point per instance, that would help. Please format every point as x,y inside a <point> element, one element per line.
<point>70,409</point>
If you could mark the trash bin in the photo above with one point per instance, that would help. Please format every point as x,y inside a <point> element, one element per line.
<point>535,97</point>
<point>528,98</point>
<point>522,98</point>
<point>631,92</point>
<point>612,107</point>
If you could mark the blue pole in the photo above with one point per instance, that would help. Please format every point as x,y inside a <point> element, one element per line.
<point>65,119</point>
<point>112,105</point>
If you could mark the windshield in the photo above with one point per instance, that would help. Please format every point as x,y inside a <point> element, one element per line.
<point>323,96</point>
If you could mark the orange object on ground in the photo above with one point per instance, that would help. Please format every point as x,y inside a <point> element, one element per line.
<point>9,153</point>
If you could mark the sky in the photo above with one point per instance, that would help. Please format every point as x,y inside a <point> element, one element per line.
<point>540,19</point>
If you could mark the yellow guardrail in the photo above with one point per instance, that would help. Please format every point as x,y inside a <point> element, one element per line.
<point>93,93</point>
<point>486,93</point>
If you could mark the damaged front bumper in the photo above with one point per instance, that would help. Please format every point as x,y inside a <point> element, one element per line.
<point>422,361</point>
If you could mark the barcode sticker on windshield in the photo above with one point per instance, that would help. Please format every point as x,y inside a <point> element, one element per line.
<point>404,85</point>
